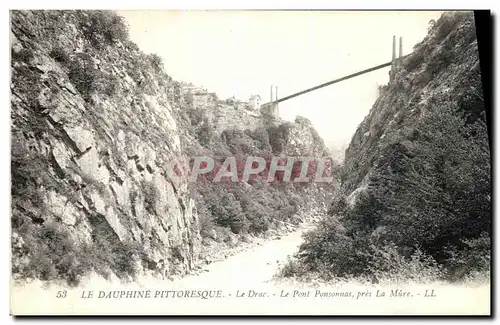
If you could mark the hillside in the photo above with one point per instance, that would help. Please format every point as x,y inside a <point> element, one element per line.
<point>95,123</point>
<point>415,194</point>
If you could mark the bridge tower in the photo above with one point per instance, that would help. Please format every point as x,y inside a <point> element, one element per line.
<point>276,111</point>
<point>272,108</point>
<point>400,46</point>
<point>393,47</point>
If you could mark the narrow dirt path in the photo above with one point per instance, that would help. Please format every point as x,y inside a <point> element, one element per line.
<point>255,266</point>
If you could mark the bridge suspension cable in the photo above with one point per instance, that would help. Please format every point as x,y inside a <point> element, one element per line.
<point>333,81</point>
<point>276,101</point>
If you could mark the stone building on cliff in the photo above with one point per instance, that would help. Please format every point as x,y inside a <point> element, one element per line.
<point>255,102</point>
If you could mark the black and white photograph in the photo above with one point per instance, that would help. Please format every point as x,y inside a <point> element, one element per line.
<point>250,162</point>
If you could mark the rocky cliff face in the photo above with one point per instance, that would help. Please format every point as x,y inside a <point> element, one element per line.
<point>94,124</point>
<point>443,69</point>
<point>92,131</point>
<point>304,140</point>
<point>225,116</point>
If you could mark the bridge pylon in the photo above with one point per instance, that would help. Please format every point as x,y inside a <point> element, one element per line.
<point>394,47</point>
<point>400,46</point>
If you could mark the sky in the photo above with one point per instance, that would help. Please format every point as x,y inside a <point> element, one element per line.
<point>240,53</point>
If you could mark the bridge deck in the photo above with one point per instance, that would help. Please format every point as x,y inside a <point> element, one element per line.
<point>335,81</point>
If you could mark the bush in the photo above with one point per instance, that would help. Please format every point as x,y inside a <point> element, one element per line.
<point>196,116</point>
<point>471,103</point>
<point>104,27</point>
<point>278,136</point>
<point>206,223</point>
<point>204,134</point>
<point>88,80</point>
<point>388,264</point>
<point>228,213</point>
<point>60,55</point>
<point>28,170</point>
<point>156,62</point>
<point>254,208</point>
<point>413,61</point>
<point>376,263</point>
<point>107,254</point>
<point>444,25</point>
<point>439,62</point>
<point>258,218</point>
<point>24,55</point>
<point>131,45</point>
<point>52,254</point>
<point>151,196</point>
<point>331,251</point>
<point>261,139</point>
<point>83,76</point>
<point>237,141</point>
<point>292,268</point>
<point>472,258</point>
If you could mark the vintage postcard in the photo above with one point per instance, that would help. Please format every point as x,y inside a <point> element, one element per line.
<point>183,162</point>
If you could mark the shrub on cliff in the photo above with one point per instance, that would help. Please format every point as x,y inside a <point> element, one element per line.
<point>104,28</point>
<point>278,136</point>
<point>23,55</point>
<point>151,195</point>
<point>204,134</point>
<point>105,255</point>
<point>330,253</point>
<point>474,257</point>
<point>261,138</point>
<point>28,171</point>
<point>89,80</point>
<point>413,61</point>
<point>228,213</point>
<point>60,55</point>
<point>237,141</point>
<point>156,62</point>
<point>330,250</point>
<point>53,254</point>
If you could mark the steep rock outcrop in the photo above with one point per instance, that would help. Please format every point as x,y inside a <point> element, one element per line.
<point>304,140</point>
<point>92,132</point>
<point>443,69</point>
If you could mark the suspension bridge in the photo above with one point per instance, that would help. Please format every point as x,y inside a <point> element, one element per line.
<point>272,107</point>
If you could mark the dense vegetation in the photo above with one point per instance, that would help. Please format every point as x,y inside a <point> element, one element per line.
<point>255,206</point>
<point>415,204</point>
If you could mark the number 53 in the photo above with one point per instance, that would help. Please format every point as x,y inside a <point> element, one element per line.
<point>61,294</point>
